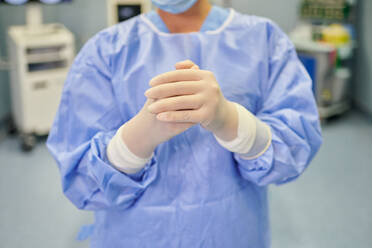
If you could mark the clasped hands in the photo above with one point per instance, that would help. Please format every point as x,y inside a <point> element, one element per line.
<point>176,101</point>
<point>193,96</point>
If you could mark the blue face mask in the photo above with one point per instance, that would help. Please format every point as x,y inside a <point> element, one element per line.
<point>174,6</point>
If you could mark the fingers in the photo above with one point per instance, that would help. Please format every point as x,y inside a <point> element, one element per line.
<point>179,127</point>
<point>173,89</point>
<point>176,76</point>
<point>176,103</point>
<point>192,116</point>
<point>186,64</point>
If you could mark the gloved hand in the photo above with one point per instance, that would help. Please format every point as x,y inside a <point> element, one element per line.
<point>193,96</point>
<point>144,132</point>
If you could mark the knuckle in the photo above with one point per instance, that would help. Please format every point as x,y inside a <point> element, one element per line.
<point>155,109</point>
<point>160,107</point>
<point>186,116</point>
<point>215,89</point>
<point>199,99</point>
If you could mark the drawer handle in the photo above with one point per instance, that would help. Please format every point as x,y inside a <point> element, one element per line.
<point>40,85</point>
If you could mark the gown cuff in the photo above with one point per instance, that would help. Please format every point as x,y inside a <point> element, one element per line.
<point>254,136</point>
<point>122,158</point>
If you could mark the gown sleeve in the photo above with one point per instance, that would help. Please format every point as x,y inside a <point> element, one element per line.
<point>288,107</point>
<point>87,119</point>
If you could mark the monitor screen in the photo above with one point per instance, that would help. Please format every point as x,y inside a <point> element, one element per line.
<point>19,2</point>
<point>128,11</point>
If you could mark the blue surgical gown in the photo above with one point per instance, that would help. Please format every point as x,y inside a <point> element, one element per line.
<point>193,192</point>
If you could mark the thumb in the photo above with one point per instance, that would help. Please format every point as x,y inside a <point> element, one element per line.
<point>186,64</point>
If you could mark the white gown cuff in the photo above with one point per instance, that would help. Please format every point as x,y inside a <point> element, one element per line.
<point>253,138</point>
<point>122,158</point>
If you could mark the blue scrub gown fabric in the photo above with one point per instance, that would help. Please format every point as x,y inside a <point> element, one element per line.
<point>193,192</point>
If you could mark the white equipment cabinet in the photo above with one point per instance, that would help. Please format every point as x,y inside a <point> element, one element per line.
<point>39,65</point>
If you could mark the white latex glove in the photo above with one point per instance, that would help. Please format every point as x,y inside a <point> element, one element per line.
<point>193,96</point>
<point>144,132</point>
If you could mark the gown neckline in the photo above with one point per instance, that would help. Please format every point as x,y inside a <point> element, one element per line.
<point>157,29</point>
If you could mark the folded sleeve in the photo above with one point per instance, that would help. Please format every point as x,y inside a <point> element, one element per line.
<point>253,136</point>
<point>87,119</point>
<point>289,109</point>
<point>122,157</point>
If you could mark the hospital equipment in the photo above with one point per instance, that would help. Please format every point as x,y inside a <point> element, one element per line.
<point>121,10</point>
<point>40,56</point>
<point>325,41</point>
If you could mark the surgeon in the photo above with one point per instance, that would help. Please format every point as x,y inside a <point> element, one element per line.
<point>173,124</point>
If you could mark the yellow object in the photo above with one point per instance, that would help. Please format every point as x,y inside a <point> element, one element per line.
<point>336,34</point>
<point>327,95</point>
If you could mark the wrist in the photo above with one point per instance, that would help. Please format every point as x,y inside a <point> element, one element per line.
<point>228,122</point>
<point>122,158</point>
<point>136,136</point>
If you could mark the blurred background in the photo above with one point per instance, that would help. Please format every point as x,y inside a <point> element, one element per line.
<point>329,206</point>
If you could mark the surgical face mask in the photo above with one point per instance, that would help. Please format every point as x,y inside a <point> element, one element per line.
<point>174,6</point>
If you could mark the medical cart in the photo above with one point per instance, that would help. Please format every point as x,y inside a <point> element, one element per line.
<point>325,41</point>
<point>40,57</point>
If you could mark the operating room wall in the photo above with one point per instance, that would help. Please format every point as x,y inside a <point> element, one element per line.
<point>8,15</point>
<point>282,12</point>
<point>4,86</point>
<point>363,84</point>
<point>83,17</point>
